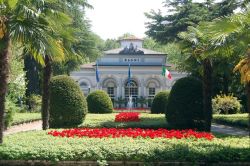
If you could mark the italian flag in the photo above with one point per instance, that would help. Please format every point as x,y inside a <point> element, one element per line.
<point>166,73</point>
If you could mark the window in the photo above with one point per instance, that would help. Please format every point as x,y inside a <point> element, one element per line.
<point>111,91</point>
<point>151,95</point>
<point>132,89</point>
<point>151,91</point>
<point>85,88</point>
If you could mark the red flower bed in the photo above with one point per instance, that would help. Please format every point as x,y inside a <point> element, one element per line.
<point>134,133</point>
<point>127,117</point>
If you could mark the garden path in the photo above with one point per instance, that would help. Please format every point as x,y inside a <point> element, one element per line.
<point>37,125</point>
<point>218,128</point>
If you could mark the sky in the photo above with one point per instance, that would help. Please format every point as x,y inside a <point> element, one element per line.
<point>112,18</point>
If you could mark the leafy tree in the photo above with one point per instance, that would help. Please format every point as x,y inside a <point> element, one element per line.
<point>197,44</point>
<point>111,44</point>
<point>18,23</point>
<point>234,38</point>
<point>184,13</point>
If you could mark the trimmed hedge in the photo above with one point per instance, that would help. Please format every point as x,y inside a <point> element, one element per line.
<point>68,106</point>
<point>99,102</point>
<point>184,108</point>
<point>37,145</point>
<point>160,102</point>
<point>235,120</point>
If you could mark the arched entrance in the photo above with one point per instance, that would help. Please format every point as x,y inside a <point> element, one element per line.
<point>131,89</point>
<point>110,86</point>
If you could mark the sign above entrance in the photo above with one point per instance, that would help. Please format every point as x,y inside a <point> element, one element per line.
<point>131,59</point>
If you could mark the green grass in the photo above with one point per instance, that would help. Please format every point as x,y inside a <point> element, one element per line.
<point>37,145</point>
<point>235,120</point>
<point>20,118</point>
<point>108,120</point>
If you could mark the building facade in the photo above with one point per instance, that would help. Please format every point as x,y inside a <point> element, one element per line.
<point>145,68</point>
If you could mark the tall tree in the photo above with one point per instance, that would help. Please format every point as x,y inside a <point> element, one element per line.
<point>184,13</point>
<point>18,21</point>
<point>197,44</point>
<point>235,38</point>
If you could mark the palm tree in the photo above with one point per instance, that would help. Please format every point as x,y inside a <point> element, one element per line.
<point>232,33</point>
<point>16,25</point>
<point>32,24</point>
<point>196,44</point>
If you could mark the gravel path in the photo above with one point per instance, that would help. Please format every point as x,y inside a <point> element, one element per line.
<point>37,125</point>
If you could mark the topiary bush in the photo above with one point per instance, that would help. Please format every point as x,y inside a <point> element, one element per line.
<point>160,102</point>
<point>184,107</point>
<point>226,104</point>
<point>68,106</point>
<point>99,102</point>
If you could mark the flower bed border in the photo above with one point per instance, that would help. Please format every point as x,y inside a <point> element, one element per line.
<point>111,163</point>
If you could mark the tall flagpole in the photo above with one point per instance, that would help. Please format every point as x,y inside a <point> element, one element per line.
<point>129,89</point>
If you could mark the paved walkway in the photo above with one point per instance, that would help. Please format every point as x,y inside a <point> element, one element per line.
<point>37,125</point>
<point>218,128</point>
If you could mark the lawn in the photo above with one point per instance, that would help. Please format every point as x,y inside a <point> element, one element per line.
<point>236,120</point>
<point>25,118</point>
<point>38,145</point>
<point>108,120</point>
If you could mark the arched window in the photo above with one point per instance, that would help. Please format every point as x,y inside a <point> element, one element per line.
<point>109,85</point>
<point>131,89</point>
<point>85,88</point>
<point>151,88</point>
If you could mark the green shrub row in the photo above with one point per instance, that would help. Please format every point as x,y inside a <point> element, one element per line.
<point>236,120</point>
<point>20,118</point>
<point>40,146</point>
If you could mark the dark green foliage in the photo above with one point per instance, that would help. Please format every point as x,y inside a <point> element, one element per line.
<point>68,106</point>
<point>235,120</point>
<point>99,102</point>
<point>164,28</point>
<point>184,108</point>
<point>160,102</point>
<point>10,110</point>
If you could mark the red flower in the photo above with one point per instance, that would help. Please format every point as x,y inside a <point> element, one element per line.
<point>134,133</point>
<point>127,117</point>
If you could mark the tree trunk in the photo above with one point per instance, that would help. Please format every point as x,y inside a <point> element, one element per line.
<point>46,92</point>
<point>4,74</point>
<point>225,83</point>
<point>207,93</point>
<point>248,104</point>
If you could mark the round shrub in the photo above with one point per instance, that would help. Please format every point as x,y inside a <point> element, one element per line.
<point>68,106</point>
<point>99,102</point>
<point>160,102</point>
<point>184,107</point>
<point>223,104</point>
